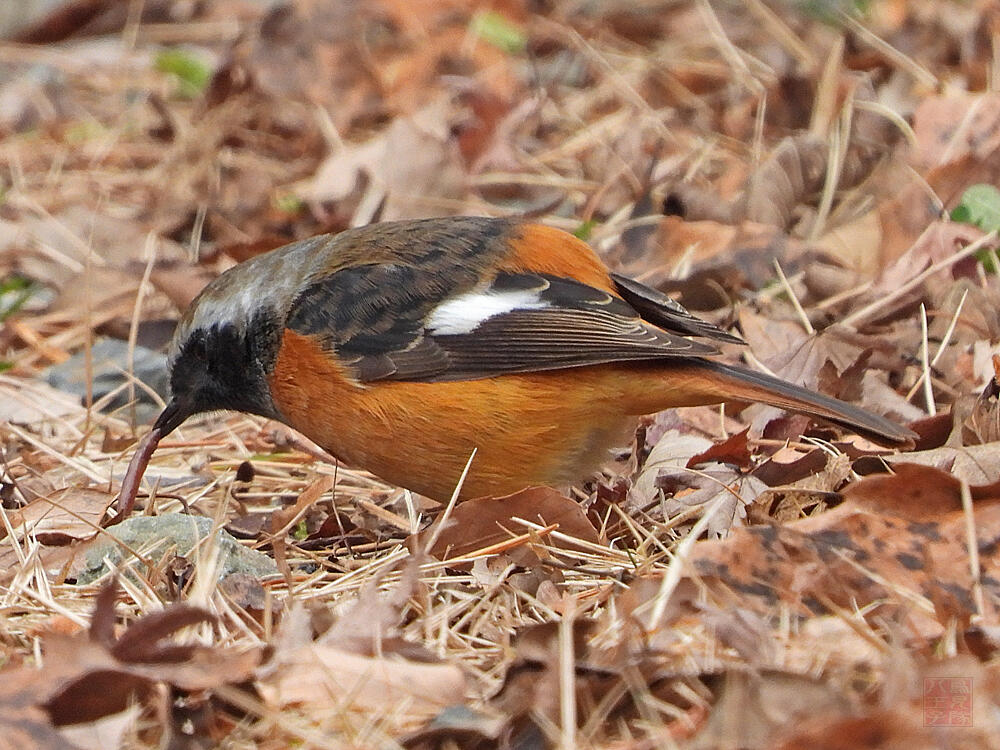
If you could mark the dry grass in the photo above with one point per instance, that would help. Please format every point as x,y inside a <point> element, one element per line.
<point>121,194</point>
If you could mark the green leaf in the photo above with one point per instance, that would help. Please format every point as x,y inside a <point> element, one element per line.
<point>276,456</point>
<point>980,205</point>
<point>832,12</point>
<point>14,292</point>
<point>83,131</point>
<point>585,229</point>
<point>288,203</point>
<point>496,29</point>
<point>191,73</point>
<point>962,214</point>
<point>988,258</point>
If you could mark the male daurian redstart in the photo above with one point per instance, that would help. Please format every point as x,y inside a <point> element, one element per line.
<point>400,347</point>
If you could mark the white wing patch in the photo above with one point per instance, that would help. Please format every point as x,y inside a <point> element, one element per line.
<point>466,312</point>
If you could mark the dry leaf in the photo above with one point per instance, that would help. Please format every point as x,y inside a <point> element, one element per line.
<point>925,715</point>
<point>92,675</point>
<point>63,516</point>
<point>485,522</point>
<point>984,421</point>
<point>752,708</point>
<point>897,537</point>
<point>673,451</point>
<point>359,663</point>
<point>326,678</point>
<point>433,169</point>
<point>975,464</point>
<point>23,720</point>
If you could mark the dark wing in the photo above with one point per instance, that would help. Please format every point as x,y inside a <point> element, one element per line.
<point>391,322</point>
<point>662,311</point>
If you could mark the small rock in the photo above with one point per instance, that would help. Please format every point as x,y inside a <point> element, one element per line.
<point>110,357</point>
<point>174,534</point>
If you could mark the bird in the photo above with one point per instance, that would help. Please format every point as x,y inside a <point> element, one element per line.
<point>406,347</point>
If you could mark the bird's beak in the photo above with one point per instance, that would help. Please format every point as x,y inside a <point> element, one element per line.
<point>170,418</point>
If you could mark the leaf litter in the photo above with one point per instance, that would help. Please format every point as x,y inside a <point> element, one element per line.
<point>735,578</point>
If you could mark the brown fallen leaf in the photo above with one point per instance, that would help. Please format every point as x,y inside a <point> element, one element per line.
<point>898,539</point>
<point>856,245</point>
<point>485,522</point>
<point>957,141</point>
<point>734,451</point>
<point>296,47</point>
<point>181,283</point>
<point>975,464</point>
<point>917,493</point>
<point>793,171</point>
<point>667,479</point>
<point>359,662</point>
<point>937,243</point>
<point>948,703</point>
<point>54,560</point>
<point>400,188</point>
<point>984,422</point>
<point>94,674</point>
<point>328,678</point>
<point>100,673</point>
<point>787,350</point>
<point>787,466</point>
<point>83,18</point>
<point>837,361</point>
<point>66,515</point>
<point>751,708</point>
<point>23,720</point>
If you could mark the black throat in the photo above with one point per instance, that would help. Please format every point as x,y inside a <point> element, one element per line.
<point>226,366</point>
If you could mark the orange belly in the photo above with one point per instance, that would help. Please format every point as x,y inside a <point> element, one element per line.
<point>526,429</point>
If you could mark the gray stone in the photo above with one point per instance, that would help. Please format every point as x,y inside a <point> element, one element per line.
<point>110,357</point>
<point>174,534</point>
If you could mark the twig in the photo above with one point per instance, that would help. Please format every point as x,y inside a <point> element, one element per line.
<point>803,318</point>
<point>874,307</point>
<point>901,60</point>
<point>730,52</point>
<point>567,676</point>
<point>925,359</point>
<point>941,347</point>
<point>676,567</point>
<point>133,327</point>
<point>451,504</point>
<point>973,545</point>
<point>951,329</point>
<point>840,136</point>
<point>892,116</point>
<point>782,32</point>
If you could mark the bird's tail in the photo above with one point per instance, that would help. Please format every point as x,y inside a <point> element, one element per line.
<point>709,382</point>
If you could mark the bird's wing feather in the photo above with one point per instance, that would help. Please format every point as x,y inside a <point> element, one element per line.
<point>657,308</point>
<point>394,322</point>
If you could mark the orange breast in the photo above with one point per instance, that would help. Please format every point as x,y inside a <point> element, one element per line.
<point>549,428</point>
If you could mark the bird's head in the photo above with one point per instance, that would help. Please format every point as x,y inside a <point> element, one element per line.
<point>225,347</point>
<point>222,352</point>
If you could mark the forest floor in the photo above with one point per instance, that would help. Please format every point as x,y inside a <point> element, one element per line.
<point>817,177</point>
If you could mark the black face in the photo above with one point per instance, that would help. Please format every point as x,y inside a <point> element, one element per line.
<point>223,367</point>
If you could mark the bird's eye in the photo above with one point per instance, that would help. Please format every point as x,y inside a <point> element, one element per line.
<point>196,348</point>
